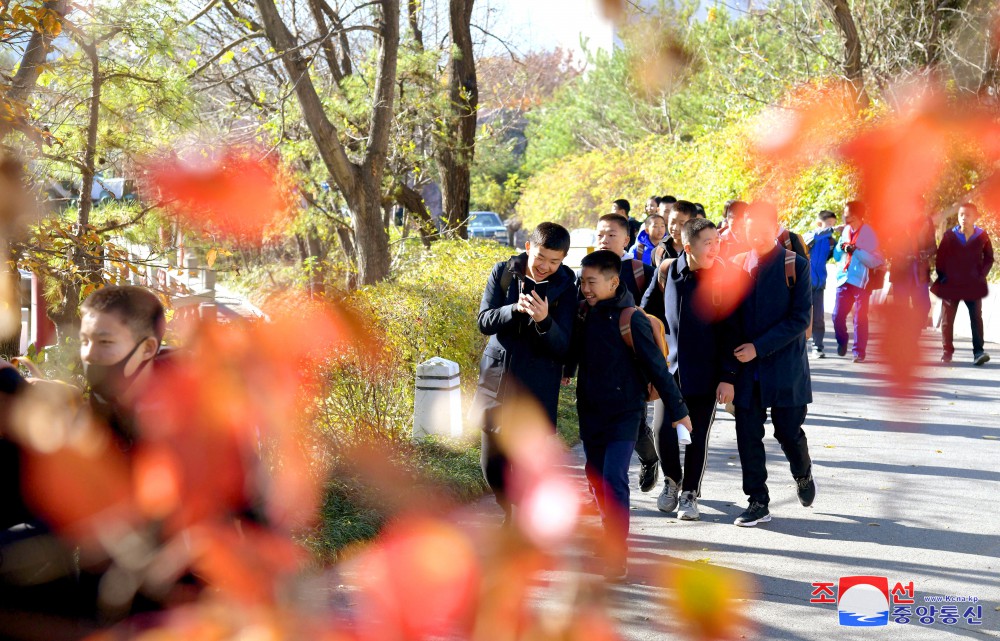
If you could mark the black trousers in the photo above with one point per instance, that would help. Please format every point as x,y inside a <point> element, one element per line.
<point>949,308</point>
<point>702,411</point>
<point>819,317</point>
<point>645,448</point>
<point>787,423</point>
<point>494,463</point>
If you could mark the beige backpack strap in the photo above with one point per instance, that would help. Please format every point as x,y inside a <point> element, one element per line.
<point>625,326</point>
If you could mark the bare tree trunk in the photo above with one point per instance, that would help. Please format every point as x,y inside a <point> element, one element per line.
<point>853,68</point>
<point>360,183</point>
<point>413,202</point>
<point>456,148</point>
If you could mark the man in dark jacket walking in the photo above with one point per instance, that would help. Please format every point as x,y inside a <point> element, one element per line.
<point>773,319</point>
<point>612,391</point>
<point>612,235</point>
<point>964,259</point>
<point>696,306</point>
<point>529,340</point>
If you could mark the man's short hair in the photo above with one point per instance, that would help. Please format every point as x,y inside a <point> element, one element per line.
<point>701,210</point>
<point>968,205</point>
<point>605,261</point>
<point>686,207</point>
<point>550,236</point>
<point>655,199</point>
<point>858,207</point>
<point>615,219</point>
<point>650,219</point>
<point>762,211</point>
<point>737,207</point>
<point>137,307</point>
<point>621,203</point>
<point>668,199</point>
<point>826,214</point>
<point>692,229</point>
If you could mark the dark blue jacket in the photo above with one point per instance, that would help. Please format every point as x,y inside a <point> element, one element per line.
<point>696,308</point>
<point>774,317</point>
<point>520,353</point>
<point>612,382</point>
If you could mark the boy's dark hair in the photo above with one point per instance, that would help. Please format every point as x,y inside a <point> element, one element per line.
<point>686,207</point>
<point>858,207</point>
<point>617,219</point>
<point>621,203</point>
<point>737,207</point>
<point>693,228</point>
<point>668,199</point>
<point>649,220</point>
<point>701,210</point>
<point>762,211</point>
<point>550,236</point>
<point>968,205</point>
<point>656,199</point>
<point>137,307</point>
<point>826,214</point>
<point>605,261</point>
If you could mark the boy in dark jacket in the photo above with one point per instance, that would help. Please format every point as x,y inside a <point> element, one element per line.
<point>964,259</point>
<point>612,393</point>
<point>529,339</point>
<point>773,319</point>
<point>612,235</point>
<point>696,306</point>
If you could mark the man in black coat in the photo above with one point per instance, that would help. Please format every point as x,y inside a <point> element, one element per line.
<point>612,235</point>
<point>614,375</point>
<point>773,320</point>
<point>696,304</point>
<point>529,340</point>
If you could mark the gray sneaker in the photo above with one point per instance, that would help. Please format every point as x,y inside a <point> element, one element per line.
<point>667,501</point>
<point>688,510</point>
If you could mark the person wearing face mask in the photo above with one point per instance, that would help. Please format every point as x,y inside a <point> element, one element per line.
<point>121,328</point>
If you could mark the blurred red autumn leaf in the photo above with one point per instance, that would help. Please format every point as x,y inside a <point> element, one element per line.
<point>234,193</point>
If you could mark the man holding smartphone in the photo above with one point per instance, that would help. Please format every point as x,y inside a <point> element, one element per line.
<point>527,310</point>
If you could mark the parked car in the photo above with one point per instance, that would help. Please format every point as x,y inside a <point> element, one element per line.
<point>487,224</point>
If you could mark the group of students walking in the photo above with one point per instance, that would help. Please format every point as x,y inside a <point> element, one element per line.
<point>735,303</point>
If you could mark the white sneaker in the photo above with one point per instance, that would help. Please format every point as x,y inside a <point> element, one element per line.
<point>667,501</point>
<point>688,510</point>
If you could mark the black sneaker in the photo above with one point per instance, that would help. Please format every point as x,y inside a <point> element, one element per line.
<point>756,513</point>
<point>820,353</point>
<point>806,489</point>
<point>841,349</point>
<point>649,474</point>
<point>981,359</point>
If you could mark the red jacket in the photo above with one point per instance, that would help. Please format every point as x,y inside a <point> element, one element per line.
<point>962,267</point>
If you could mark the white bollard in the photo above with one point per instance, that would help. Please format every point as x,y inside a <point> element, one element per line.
<point>437,403</point>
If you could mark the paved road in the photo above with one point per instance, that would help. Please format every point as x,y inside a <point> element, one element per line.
<point>907,490</point>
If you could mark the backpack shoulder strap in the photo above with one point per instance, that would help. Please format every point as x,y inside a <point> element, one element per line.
<point>790,268</point>
<point>639,273</point>
<point>505,278</point>
<point>581,310</point>
<point>625,325</point>
<point>785,237</point>
<point>661,272</point>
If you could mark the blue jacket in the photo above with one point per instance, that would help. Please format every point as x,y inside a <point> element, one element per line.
<point>520,354</point>
<point>612,382</point>
<point>696,308</point>
<point>774,317</point>
<point>820,252</point>
<point>866,257</point>
<point>642,250</point>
